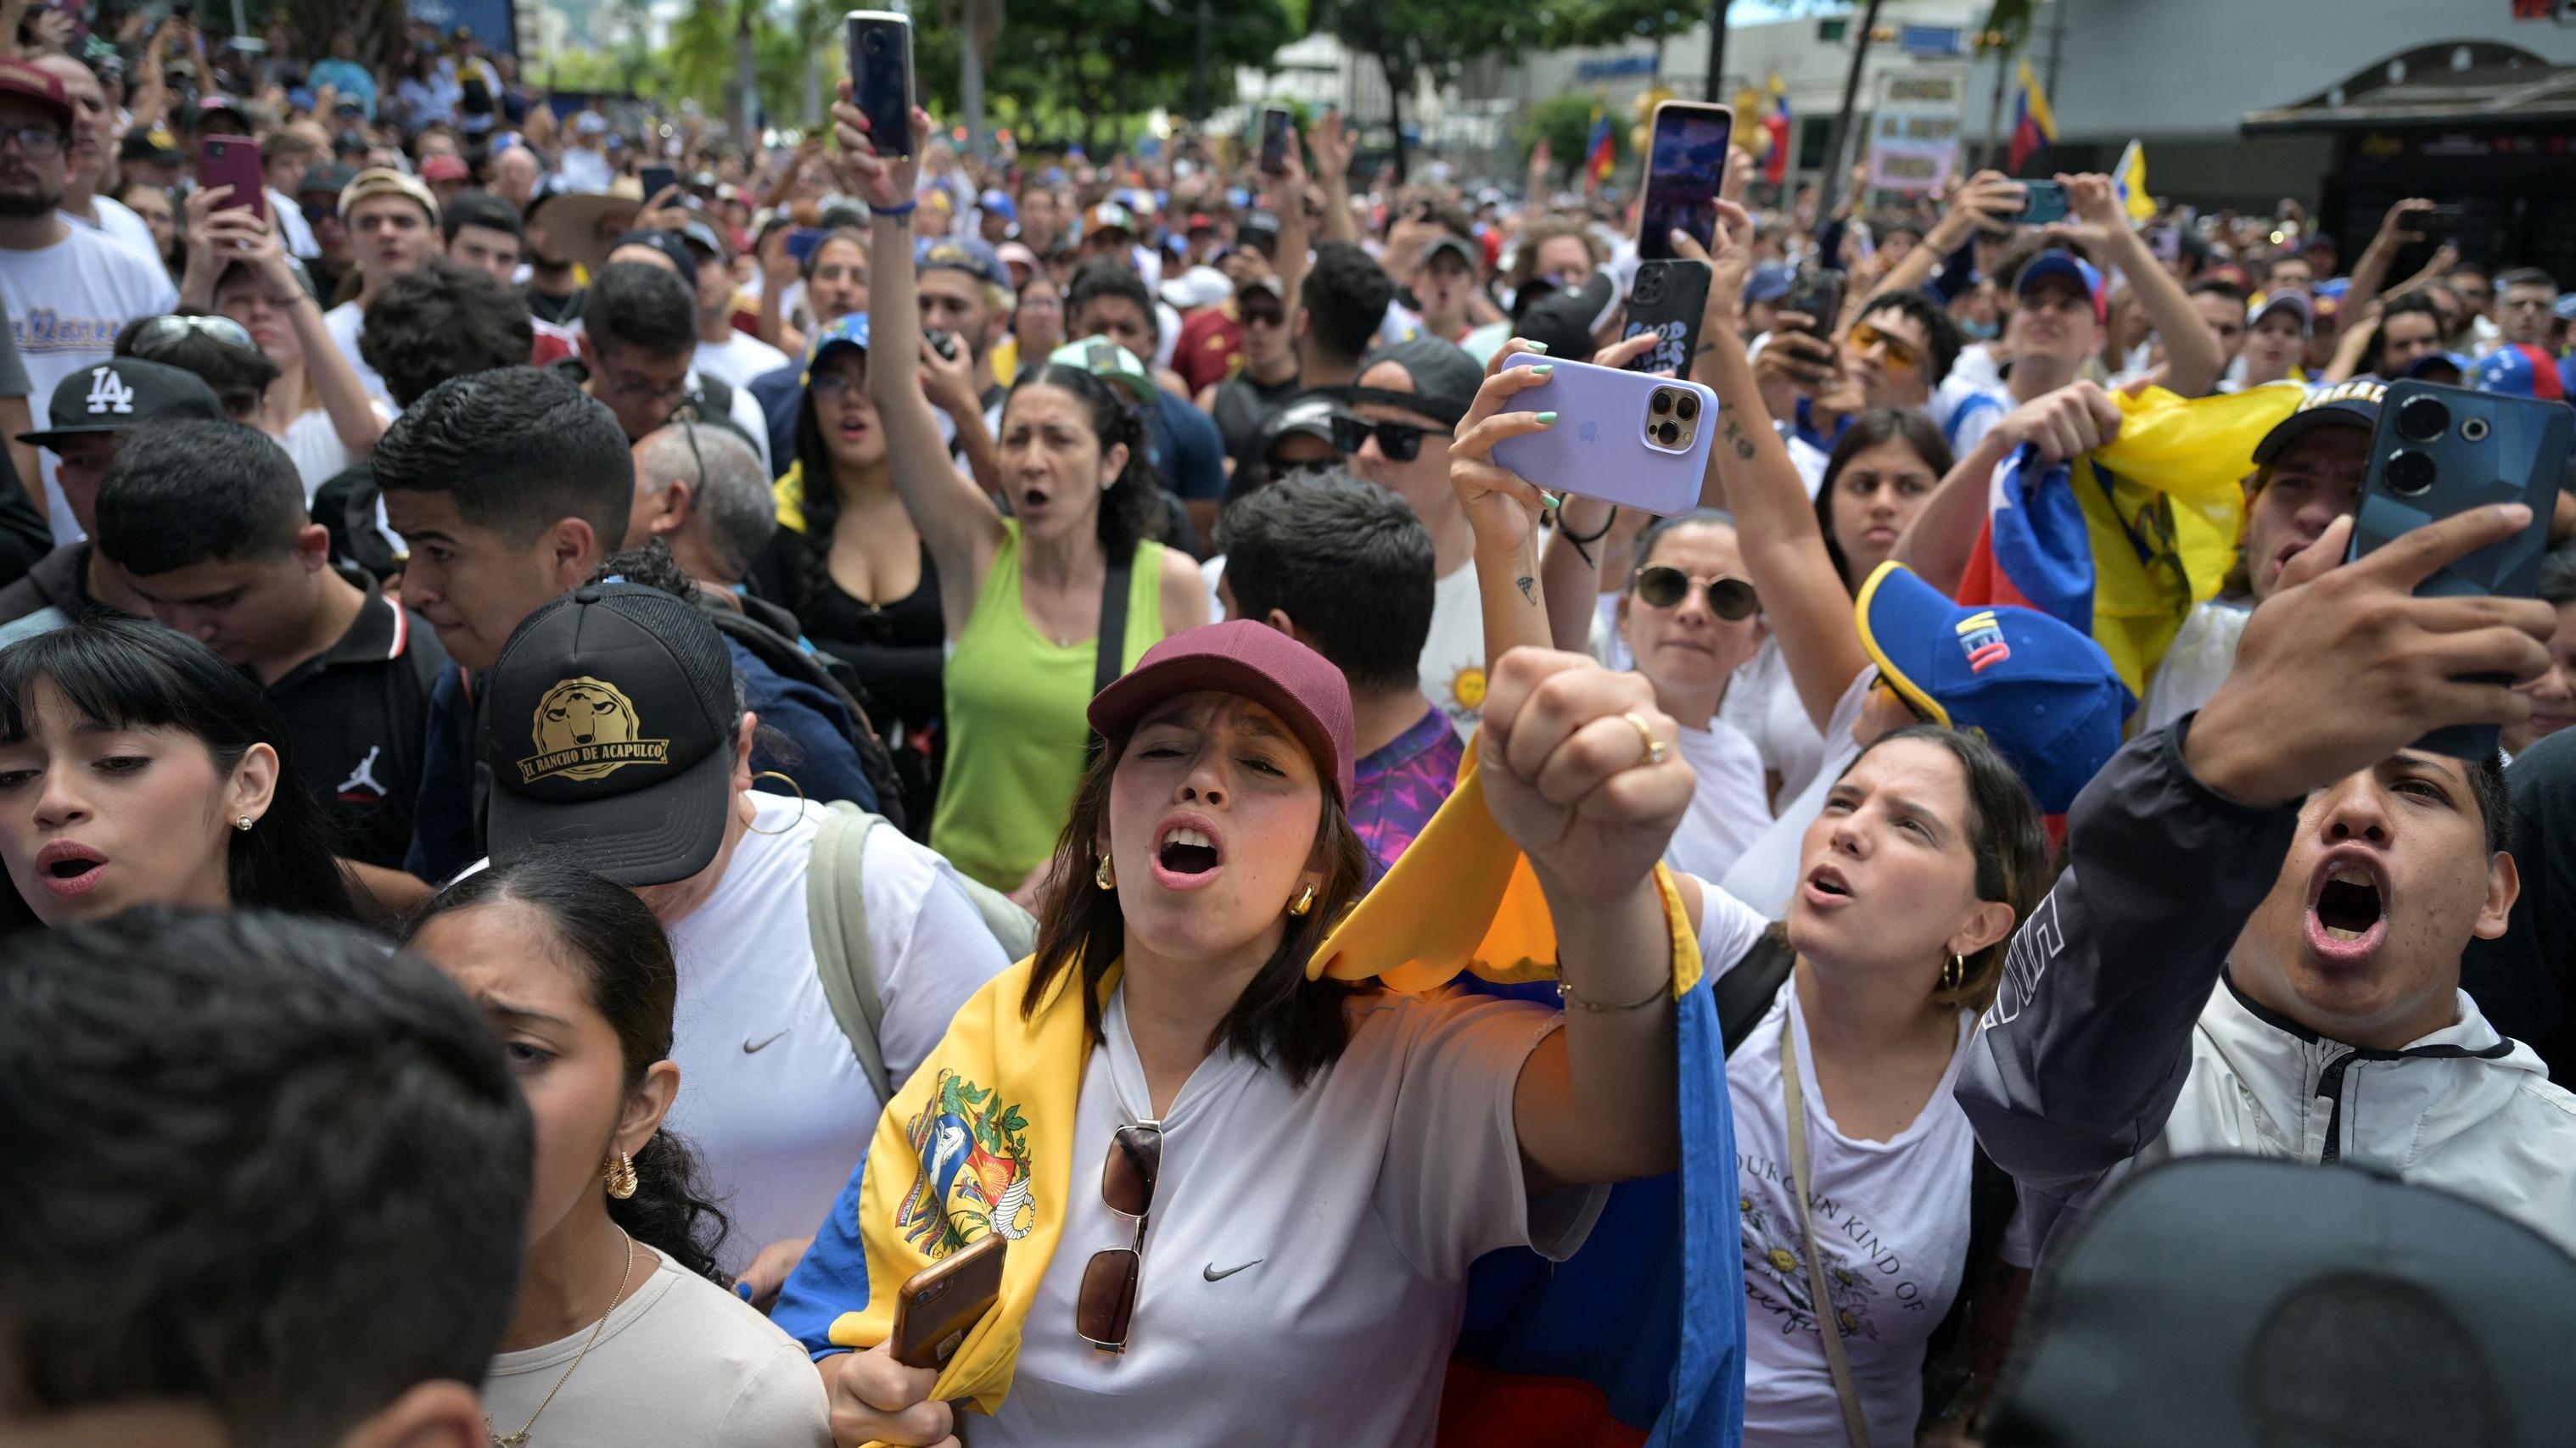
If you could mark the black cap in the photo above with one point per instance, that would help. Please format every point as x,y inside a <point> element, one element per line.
<point>668,243</point>
<point>1445,378</point>
<point>2229,1300</point>
<point>120,395</point>
<point>330,177</point>
<point>1566,321</point>
<point>609,736</point>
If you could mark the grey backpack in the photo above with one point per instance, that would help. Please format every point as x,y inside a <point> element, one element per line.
<point>836,917</point>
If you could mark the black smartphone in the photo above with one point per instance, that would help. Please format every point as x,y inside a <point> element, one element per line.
<point>1685,166</point>
<point>1668,299</point>
<point>1276,127</point>
<point>2041,203</point>
<point>880,44</point>
<point>1818,292</point>
<point>657,179</point>
<point>2439,451</point>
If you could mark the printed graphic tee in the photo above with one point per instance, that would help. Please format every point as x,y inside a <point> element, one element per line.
<point>1453,657</point>
<point>66,304</point>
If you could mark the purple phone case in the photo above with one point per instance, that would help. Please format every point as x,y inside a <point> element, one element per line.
<point>1597,447</point>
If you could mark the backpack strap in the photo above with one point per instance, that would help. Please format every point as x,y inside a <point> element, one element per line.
<point>836,919</point>
<point>1110,651</point>
<point>1744,994</point>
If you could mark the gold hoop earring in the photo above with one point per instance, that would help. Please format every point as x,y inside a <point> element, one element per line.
<point>620,1175</point>
<point>1304,902</point>
<point>791,784</point>
<point>1954,972</point>
<point>242,824</point>
<point>1105,877</point>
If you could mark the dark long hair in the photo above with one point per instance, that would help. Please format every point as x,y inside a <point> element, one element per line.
<point>822,504</point>
<point>1282,1019</point>
<point>2004,829</point>
<point>1131,504</point>
<point>1868,430</point>
<point>134,674</point>
<point>625,960</point>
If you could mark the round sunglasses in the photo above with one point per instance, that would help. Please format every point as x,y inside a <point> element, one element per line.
<point>1663,586</point>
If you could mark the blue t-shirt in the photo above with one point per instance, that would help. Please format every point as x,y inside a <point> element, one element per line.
<point>826,766</point>
<point>1185,448</point>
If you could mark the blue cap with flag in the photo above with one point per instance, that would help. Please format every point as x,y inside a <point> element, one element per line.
<point>2043,694</point>
<point>849,331</point>
<point>2069,266</point>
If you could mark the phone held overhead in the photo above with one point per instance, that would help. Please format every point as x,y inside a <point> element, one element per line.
<point>880,45</point>
<point>1625,438</point>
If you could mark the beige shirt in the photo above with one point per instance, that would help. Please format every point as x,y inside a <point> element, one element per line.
<point>682,1362</point>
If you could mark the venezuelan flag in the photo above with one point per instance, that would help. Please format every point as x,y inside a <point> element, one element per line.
<point>1599,159</point>
<point>1775,159</point>
<point>2033,124</point>
<point>2129,183</point>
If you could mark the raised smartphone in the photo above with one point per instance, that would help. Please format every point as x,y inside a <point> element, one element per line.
<point>2041,203</point>
<point>234,161</point>
<point>1667,299</point>
<point>1817,291</point>
<point>657,179</point>
<point>1622,437</point>
<point>2439,451</point>
<point>1276,125</point>
<point>880,43</point>
<point>1685,165</point>
<point>937,1306</point>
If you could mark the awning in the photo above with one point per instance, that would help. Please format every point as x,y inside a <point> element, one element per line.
<point>2462,83</point>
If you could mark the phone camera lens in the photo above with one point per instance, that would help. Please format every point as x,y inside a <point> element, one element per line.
<point>1668,433</point>
<point>2422,419</point>
<point>1663,403</point>
<point>1685,406</point>
<point>2473,429</point>
<point>2410,474</point>
<point>876,43</point>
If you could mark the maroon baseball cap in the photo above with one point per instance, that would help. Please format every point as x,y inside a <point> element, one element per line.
<point>18,78</point>
<point>1241,656</point>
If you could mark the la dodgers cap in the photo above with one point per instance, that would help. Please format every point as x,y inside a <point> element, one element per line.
<point>2043,694</point>
<point>610,712</point>
<point>120,395</point>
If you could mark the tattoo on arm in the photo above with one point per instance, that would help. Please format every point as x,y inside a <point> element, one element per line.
<point>1529,590</point>
<point>1743,444</point>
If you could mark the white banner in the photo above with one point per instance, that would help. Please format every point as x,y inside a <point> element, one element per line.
<point>1915,136</point>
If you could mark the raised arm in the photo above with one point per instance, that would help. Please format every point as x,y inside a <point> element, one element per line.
<point>1332,145</point>
<point>1503,508</point>
<point>2193,357</point>
<point>1749,473</point>
<point>958,523</point>
<point>1570,565</point>
<point>1990,197</point>
<point>2066,423</point>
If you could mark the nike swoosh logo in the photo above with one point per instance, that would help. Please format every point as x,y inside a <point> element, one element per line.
<point>1210,1273</point>
<point>750,1046</point>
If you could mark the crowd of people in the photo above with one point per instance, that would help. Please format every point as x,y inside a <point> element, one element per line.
<point>592,778</point>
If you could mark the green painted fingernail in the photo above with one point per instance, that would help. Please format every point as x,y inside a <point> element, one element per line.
<point>1538,347</point>
<point>1551,499</point>
<point>1546,419</point>
<point>1542,369</point>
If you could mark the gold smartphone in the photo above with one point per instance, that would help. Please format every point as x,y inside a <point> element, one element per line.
<point>937,1306</point>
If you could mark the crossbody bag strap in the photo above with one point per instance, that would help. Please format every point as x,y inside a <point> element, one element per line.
<point>1110,653</point>
<point>1827,1327</point>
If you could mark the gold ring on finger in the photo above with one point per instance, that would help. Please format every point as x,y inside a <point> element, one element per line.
<point>1656,751</point>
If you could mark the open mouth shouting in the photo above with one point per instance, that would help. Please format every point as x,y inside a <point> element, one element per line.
<point>1186,853</point>
<point>1826,889</point>
<point>70,869</point>
<point>2347,907</point>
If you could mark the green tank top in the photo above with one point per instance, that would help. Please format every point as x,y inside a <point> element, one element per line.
<point>1016,729</point>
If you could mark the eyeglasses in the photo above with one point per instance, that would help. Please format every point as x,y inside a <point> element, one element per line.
<point>164,332</point>
<point>1107,1304</point>
<point>1264,317</point>
<point>1400,441</point>
<point>34,140</point>
<point>1900,353</point>
<point>1663,586</point>
<point>643,389</point>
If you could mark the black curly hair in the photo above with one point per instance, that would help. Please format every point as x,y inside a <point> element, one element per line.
<point>607,935</point>
<point>441,321</point>
<point>1131,504</point>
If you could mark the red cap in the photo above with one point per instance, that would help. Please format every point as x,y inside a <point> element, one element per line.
<point>444,167</point>
<point>18,78</point>
<point>1256,661</point>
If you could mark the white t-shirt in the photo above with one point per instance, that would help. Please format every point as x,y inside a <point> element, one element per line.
<point>738,359</point>
<point>583,169</point>
<point>681,1362</point>
<point>343,322</point>
<point>1453,657</point>
<point>119,223</point>
<point>315,446</point>
<point>1766,875</point>
<point>769,1092</point>
<point>66,303</point>
<point>1762,700</point>
<point>1212,573</point>
<point>1891,1220</point>
<point>2203,651</point>
<point>754,424</point>
<point>292,228</point>
<point>1729,806</point>
<point>1305,1271</point>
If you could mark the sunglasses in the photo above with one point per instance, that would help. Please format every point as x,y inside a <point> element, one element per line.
<point>1663,586</point>
<point>1400,441</point>
<point>168,331</point>
<point>1107,1304</point>
<point>1900,353</point>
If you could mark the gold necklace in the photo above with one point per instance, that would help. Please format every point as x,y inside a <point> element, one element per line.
<point>520,1438</point>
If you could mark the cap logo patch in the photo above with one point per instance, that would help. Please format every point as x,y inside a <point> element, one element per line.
<point>2363,389</point>
<point>586,728</point>
<point>1981,638</point>
<point>109,392</point>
